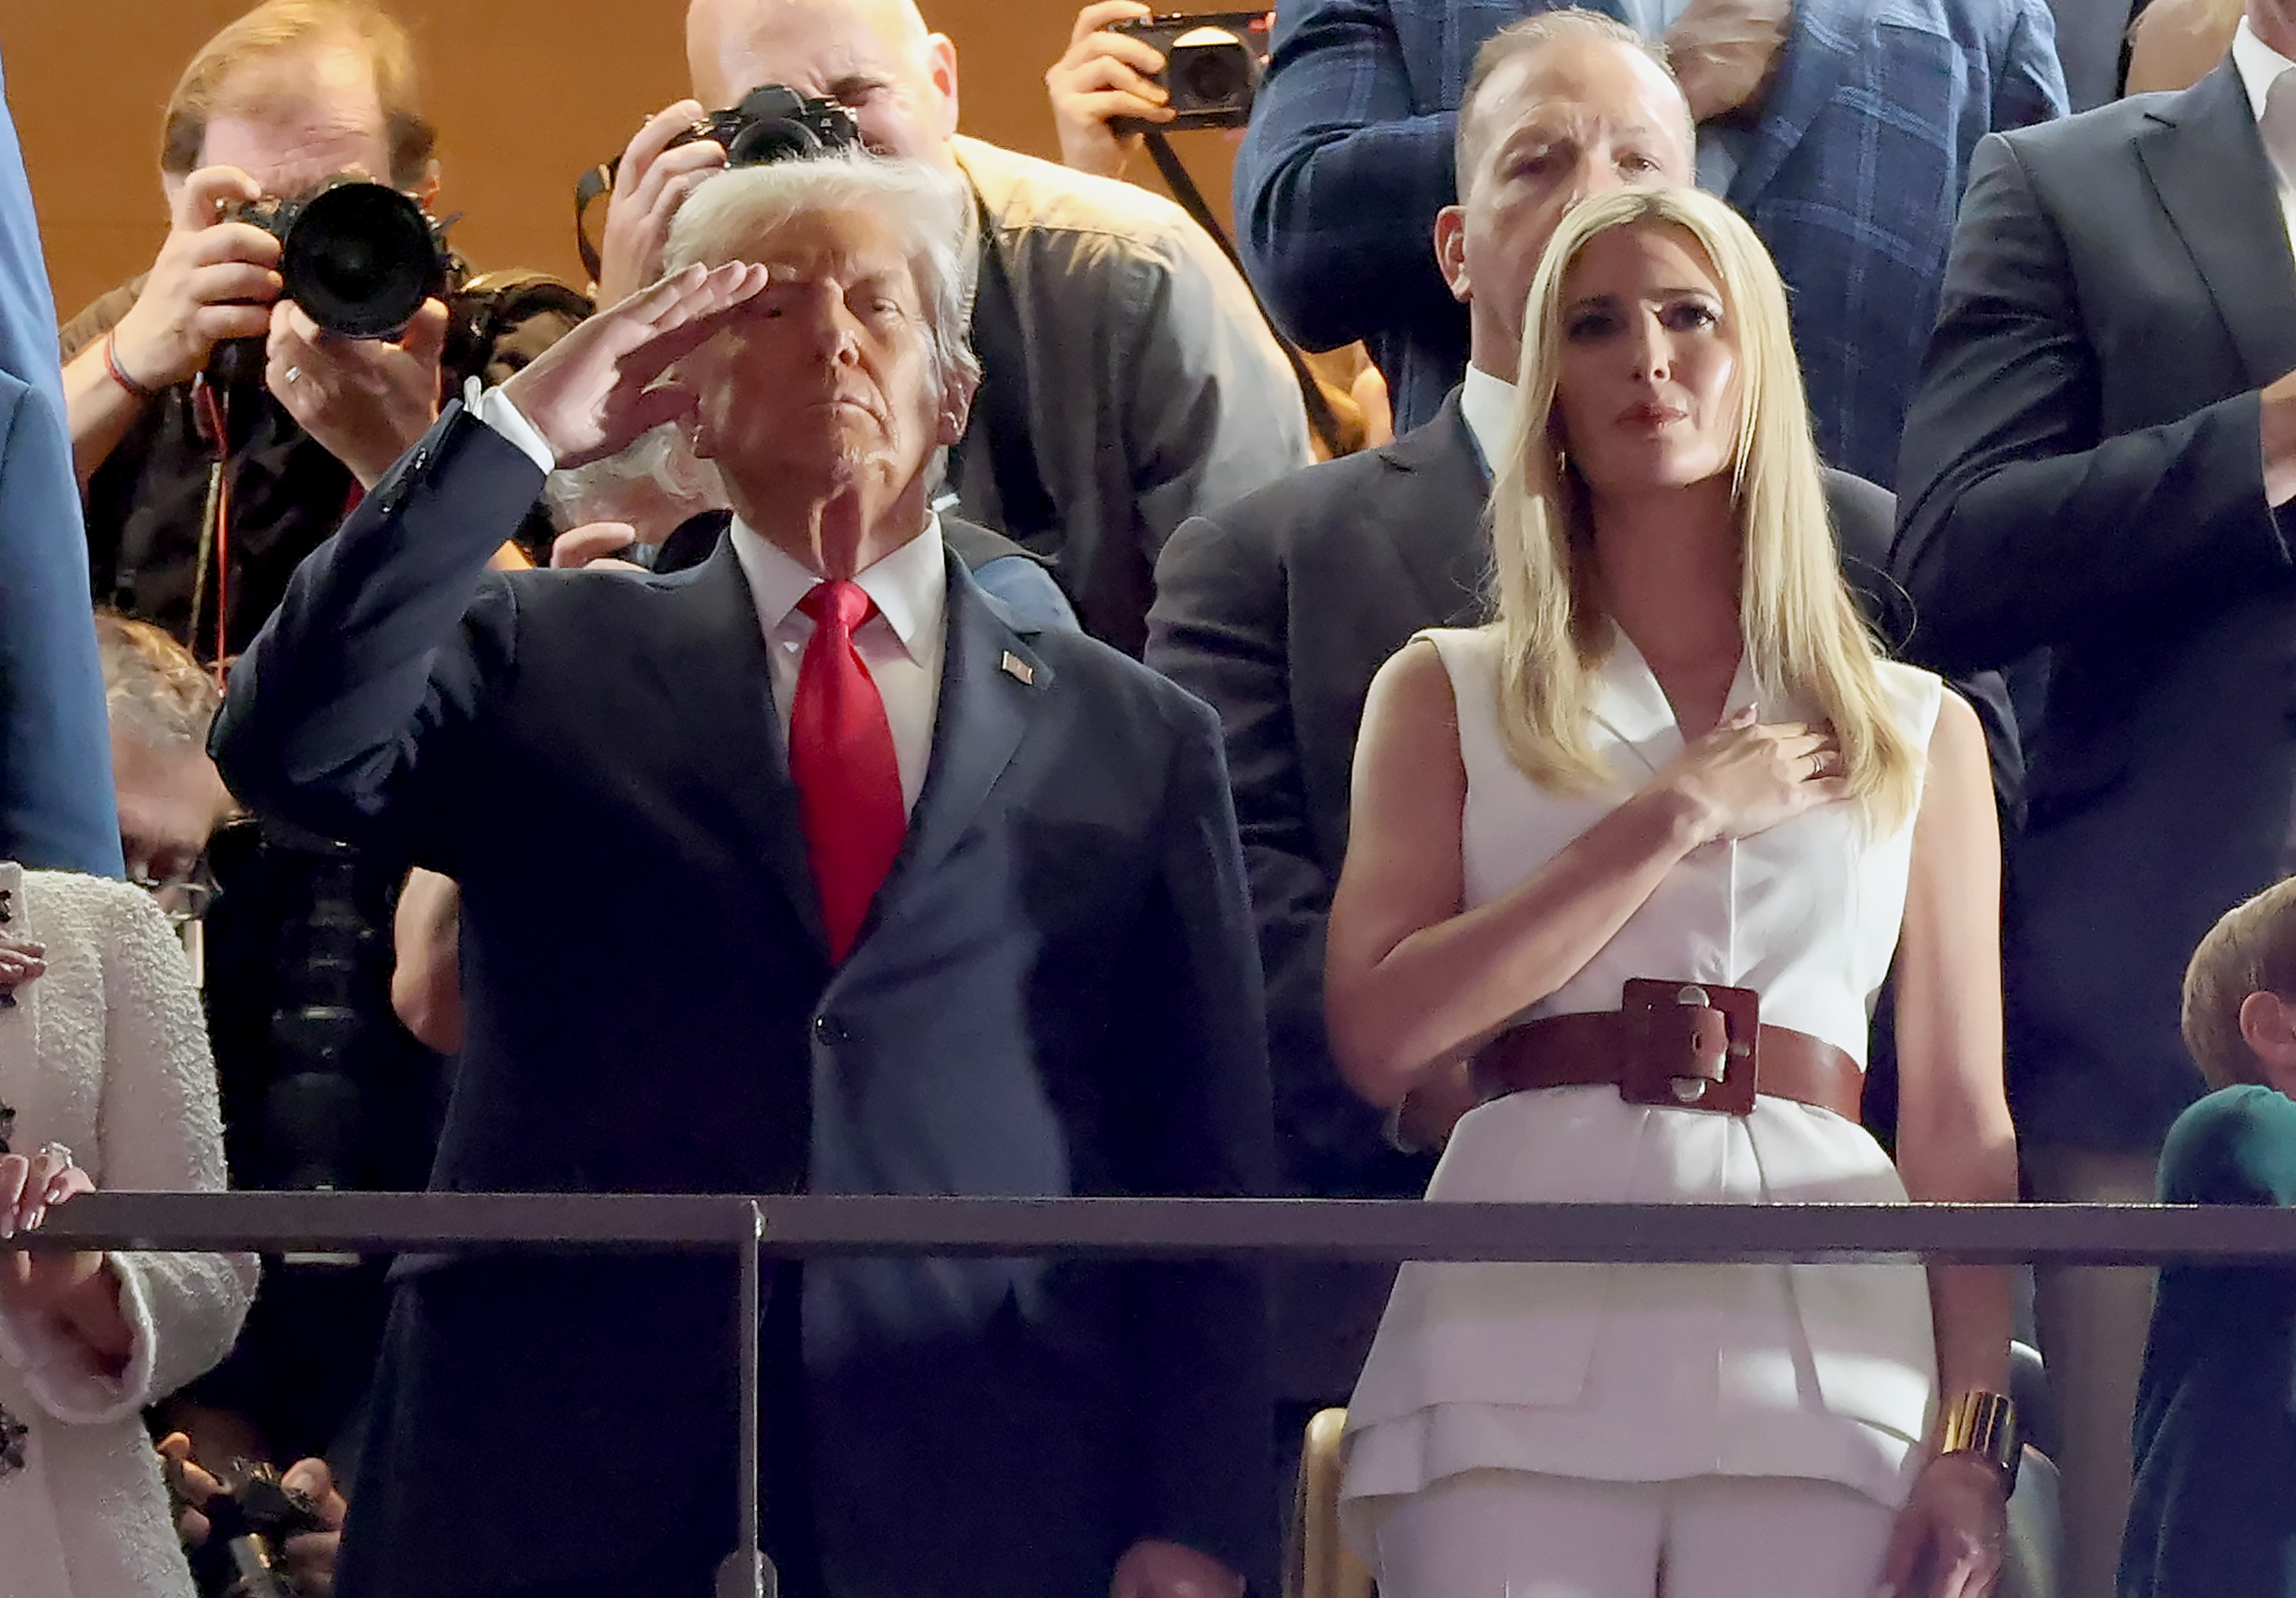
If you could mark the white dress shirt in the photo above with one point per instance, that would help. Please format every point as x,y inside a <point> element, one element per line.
<point>1486,403</point>
<point>2272,101</point>
<point>901,644</point>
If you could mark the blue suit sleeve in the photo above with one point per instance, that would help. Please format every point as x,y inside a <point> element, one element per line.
<point>360,697</point>
<point>1205,1474</point>
<point>1339,179</point>
<point>2029,83</point>
<point>56,803</point>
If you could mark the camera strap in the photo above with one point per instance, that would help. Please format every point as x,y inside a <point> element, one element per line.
<point>212,415</point>
<point>1001,405</point>
<point>588,189</point>
<point>1184,189</point>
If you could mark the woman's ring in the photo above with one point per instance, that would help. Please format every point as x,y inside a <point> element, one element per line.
<point>291,374</point>
<point>56,1150</point>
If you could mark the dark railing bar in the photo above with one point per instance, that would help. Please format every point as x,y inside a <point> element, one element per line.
<point>809,1227</point>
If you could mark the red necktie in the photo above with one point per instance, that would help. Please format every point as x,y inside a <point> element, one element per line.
<point>849,782</point>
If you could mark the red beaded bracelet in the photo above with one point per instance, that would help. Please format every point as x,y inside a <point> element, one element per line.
<point>135,391</point>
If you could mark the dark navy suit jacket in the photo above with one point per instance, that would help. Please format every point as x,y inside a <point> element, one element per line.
<point>1056,992</point>
<point>56,807</point>
<point>2082,474</point>
<point>1850,174</point>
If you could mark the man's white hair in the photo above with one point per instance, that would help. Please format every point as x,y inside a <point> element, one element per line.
<point>660,458</point>
<point>728,213</point>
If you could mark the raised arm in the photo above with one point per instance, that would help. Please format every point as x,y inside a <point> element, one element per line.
<point>1339,180</point>
<point>376,663</point>
<point>1415,982</point>
<point>2020,525</point>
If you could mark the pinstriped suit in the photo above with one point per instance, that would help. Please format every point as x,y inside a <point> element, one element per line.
<point>1852,176</point>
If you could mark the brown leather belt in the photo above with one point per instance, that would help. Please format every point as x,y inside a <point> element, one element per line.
<point>1689,1046</point>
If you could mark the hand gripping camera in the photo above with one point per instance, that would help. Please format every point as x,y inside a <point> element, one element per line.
<point>359,257</point>
<point>248,1525</point>
<point>1213,61</point>
<point>775,123</point>
<point>772,123</point>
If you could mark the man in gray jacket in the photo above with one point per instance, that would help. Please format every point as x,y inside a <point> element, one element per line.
<point>1130,382</point>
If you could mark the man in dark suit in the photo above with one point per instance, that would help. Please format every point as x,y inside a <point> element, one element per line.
<point>1840,128</point>
<point>1279,609</point>
<point>55,752</point>
<point>2098,463</point>
<point>892,899</point>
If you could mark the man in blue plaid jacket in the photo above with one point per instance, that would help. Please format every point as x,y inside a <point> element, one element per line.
<point>1842,128</point>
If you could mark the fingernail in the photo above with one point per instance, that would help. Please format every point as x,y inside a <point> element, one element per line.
<point>32,1221</point>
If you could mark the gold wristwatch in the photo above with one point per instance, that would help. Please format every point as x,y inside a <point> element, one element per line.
<point>1984,1426</point>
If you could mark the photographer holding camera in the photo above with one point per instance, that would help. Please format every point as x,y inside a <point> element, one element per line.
<point>1130,380</point>
<point>208,356</point>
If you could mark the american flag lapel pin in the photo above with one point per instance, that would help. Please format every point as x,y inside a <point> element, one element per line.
<point>1018,670</point>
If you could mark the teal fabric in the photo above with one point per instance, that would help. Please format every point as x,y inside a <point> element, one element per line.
<point>56,807</point>
<point>2214,1511</point>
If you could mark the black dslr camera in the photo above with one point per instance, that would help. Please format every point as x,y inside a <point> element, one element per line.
<point>359,257</point>
<point>775,123</point>
<point>1213,61</point>
<point>248,1526</point>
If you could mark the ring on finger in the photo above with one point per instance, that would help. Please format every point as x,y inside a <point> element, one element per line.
<point>58,1153</point>
<point>291,374</point>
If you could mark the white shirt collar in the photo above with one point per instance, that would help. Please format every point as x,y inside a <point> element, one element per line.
<point>1487,403</point>
<point>2258,64</point>
<point>910,586</point>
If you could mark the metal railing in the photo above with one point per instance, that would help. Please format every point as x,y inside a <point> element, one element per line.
<point>785,1227</point>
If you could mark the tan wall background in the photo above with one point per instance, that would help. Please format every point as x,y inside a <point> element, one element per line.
<point>525,93</point>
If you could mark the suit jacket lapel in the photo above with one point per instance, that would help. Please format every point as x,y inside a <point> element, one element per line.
<point>714,670</point>
<point>990,682</point>
<point>2206,162</point>
<point>1442,544</point>
<point>1822,42</point>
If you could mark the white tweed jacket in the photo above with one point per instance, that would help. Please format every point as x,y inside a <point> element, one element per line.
<point>107,1055</point>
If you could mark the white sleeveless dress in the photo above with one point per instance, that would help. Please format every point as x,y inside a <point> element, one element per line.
<point>1661,1372</point>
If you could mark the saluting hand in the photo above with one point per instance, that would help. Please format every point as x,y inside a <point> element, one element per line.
<point>597,388</point>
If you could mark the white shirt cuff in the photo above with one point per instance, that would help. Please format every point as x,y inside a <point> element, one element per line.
<point>494,409</point>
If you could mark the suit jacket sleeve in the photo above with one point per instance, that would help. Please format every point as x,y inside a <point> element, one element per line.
<point>56,804</point>
<point>1339,180</point>
<point>1199,1066</point>
<point>1218,630</point>
<point>1211,409</point>
<point>2021,526</point>
<point>356,706</point>
<point>2029,83</point>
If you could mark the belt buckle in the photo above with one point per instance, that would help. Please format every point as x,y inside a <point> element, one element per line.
<point>1694,1046</point>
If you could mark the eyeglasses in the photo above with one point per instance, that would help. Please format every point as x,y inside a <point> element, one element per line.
<point>182,898</point>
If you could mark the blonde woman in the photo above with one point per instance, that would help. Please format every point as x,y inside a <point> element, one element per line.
<point>1629,866</point>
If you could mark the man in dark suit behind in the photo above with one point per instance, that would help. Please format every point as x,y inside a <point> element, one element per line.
<point>2098,462</point>
<point>1279,609</point>
<point>891,898</point>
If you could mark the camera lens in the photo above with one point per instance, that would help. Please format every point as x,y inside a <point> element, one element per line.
<point>779,139</point>
<point>1209,75</point>
<point>360,259</point>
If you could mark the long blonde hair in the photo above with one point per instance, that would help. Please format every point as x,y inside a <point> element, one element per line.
<point>1803,635</point>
